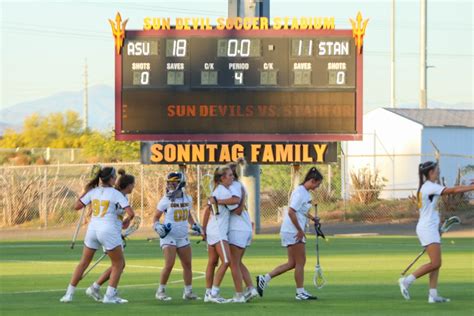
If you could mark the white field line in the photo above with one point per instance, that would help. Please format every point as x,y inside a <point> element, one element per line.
<point>201,276</point>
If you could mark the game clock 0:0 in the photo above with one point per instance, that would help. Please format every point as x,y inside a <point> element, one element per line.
<point>247,85</point>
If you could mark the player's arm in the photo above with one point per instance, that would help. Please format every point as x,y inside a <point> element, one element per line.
<point>157,216</point>
<point>292,214</point>
<point>458,189</point>
<point>229,201</point>
<point>205,219</point>
<point>240,208</point>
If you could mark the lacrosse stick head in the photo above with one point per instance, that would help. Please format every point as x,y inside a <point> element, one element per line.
<point>134,226</point>
<point>450,222</point>
<point>318,279</point>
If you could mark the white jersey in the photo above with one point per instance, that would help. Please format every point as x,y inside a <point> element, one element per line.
<point>177,213</point>
<point>107,208</point>
<point>219,224</point>
<point>428,205</point>
<point>239,222</point>
<point>300,201</point>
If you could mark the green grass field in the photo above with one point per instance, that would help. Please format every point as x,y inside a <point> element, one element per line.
<point>362,278</point>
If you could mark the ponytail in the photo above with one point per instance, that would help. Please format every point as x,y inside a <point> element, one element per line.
<point>124,180</point>
<point>99,173</point>
<point>314,174</point>
<point>423,173</point>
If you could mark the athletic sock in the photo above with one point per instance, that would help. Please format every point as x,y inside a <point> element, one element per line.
<point>267,277</point>
<point>208,291</point>
<point>188,289</point>
<point>299,290</point>
<point>215,290</point>
<point>70,289</point>
<point>238,294</point>
<point>162,288</point>
<point>111,291</point>
<point>95,286</point>
<point>433,292</point>
<point>409,280</point>
<point>250,288</point>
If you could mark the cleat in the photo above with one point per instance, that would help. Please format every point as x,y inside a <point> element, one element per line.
<point>113,300</point>
<point>261,284</point>
<point>67,298</point>
<point>238,299</point>
<point>305,296</point>
<point>190,296</point>
<point>217,299</point>
<point>161,296</point>
<point>438,299</point>
<point>250,294</point>
<point>404,288</point>
<point>94,294</point>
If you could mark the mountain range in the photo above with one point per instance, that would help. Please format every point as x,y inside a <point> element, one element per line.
<point>101,108</point>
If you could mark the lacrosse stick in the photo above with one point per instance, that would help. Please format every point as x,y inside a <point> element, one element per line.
<point>130,230</point>
<point>447,224</point>
<point>318,279</point>
<point>215,212</point>
<point>78,227</point>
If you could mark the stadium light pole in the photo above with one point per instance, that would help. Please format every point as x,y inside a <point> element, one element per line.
<point>251,174</point>
<point>392,65</point>
<point>423,54</point>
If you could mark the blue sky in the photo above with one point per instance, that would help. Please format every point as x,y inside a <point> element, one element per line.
<point>44,44</point>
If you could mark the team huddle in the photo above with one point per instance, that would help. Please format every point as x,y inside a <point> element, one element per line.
<point>227,229</point>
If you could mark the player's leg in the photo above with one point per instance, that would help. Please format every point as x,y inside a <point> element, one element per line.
<point>185,256</point>
<point>118,264</point>
<point>263,280</point>
<point>212,261</point>
<point>433,296</point>
<point>236,263</point>
<point>434,252</point>
<point>169,252</point>
<point>87,255</point>
<point>220,273</point>
<point>298,252</point>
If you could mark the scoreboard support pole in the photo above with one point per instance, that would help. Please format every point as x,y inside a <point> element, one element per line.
<point>251,174</point>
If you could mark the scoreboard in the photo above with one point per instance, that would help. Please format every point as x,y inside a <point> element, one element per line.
<point>222,85</point>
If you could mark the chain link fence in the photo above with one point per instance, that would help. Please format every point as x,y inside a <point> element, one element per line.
<point>41,196</point>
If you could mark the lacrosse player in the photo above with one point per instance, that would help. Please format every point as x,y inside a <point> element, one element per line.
<point>240,232</point>
<point>293,236</point>
<point>427,228</point>
<point>108,207</point>
<point>216,229</point>
<point>125,184</point>
<point>176,206</point>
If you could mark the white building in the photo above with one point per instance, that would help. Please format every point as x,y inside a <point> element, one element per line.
<point>396,141</point>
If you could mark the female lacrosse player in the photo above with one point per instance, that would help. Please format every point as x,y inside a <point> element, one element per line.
<point>427,228</point>
<point>125,184</point>
<point>176,206</point>
<point>240,232</point>
<point>104,230</point>
<point>216,229</point>
<point>293,236</point>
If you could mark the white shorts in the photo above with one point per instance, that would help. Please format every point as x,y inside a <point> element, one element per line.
<point>241,239</point>
<point>288,239</point>
<point>174,242</point>
<point>109,240</point>
<point>213,238</point>
<point>428,236</point>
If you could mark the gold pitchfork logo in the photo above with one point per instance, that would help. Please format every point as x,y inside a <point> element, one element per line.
<point>118,31</point>
<point>358,31</point>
